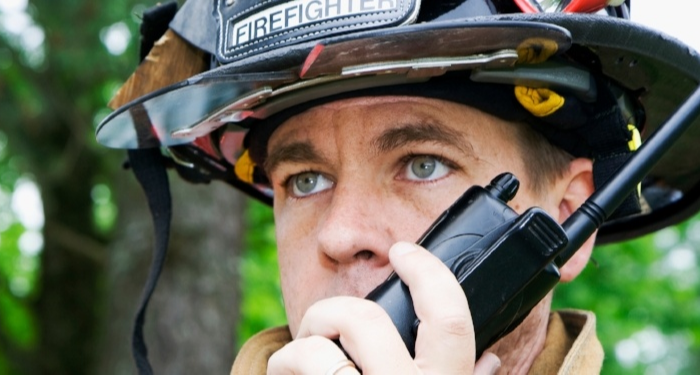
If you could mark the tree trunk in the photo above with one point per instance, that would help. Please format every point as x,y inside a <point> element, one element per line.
<point>70,272</point>
<point>190,322</point>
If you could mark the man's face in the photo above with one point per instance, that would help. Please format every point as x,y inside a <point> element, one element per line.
<point>353,177</point>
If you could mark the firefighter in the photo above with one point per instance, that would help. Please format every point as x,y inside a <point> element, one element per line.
<point>361,121</point>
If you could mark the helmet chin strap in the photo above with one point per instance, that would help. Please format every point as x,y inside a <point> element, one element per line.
<point>149,167</point>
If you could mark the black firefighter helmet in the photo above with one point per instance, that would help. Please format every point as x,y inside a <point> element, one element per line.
<point>580,72</point>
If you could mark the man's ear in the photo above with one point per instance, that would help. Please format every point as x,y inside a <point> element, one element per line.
<point>577,185</point>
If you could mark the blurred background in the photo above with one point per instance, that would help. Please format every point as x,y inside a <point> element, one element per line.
<point>75,234</point>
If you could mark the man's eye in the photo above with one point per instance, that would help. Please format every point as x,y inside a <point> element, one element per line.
<point>308,183</point>
<point>425,168</point>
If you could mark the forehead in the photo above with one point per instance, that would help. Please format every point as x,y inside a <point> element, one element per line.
<point>375,114</point>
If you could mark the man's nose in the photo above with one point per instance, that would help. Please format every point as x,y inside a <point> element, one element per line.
<point>355,228</point>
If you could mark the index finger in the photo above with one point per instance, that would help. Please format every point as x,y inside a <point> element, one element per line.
<point>445,340</point>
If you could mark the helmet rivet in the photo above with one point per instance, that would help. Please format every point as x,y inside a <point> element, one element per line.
<point>230,2</point>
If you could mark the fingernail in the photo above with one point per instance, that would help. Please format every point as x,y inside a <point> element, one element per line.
<point>401,248</point>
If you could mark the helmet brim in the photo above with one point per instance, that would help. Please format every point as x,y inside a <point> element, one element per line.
<point>662,72</point>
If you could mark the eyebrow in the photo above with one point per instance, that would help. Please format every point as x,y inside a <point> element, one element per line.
<point>299,152</point>
<point>421,132</point>
<point>391,139</point>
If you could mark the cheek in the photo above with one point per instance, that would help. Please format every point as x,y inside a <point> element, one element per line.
<point>417,209</point>
<point>300,269</point>
<point>296,277</point>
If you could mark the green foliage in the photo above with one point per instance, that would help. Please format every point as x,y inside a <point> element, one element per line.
<point>18,271</point>
<point>4,366</point>
<point>644,293</point>
<point>261,297</point>
<point>17,283</point>
<point>104,209</point>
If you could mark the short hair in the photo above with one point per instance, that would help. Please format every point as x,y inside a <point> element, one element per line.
<point>543,162</point>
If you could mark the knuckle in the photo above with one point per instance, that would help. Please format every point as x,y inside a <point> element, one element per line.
<point>291,350</point>
<point>366,310</point>
<point>313,344</point>
<point>456,325</point>
<point>352,309</point>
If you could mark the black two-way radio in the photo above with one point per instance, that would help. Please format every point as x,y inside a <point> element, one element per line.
<point>505,262</point>
<point>502,260</point>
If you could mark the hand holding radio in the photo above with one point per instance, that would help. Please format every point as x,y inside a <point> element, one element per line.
<point>503,262</point>
<point>369,338</point>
